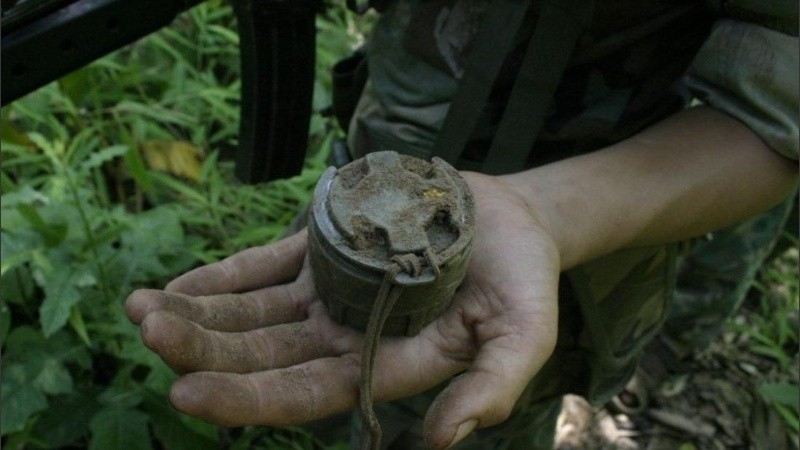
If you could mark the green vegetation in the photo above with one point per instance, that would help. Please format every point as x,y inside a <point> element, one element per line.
<point>768,327</point>
<point>86,219</point>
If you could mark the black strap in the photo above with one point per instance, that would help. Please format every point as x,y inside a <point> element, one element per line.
<point>492,44</point>
<point>547,56</point>
<point>557,29</point>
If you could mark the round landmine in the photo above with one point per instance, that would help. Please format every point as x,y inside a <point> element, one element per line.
<point>377,210</point>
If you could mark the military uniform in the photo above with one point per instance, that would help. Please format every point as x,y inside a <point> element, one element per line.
<point>635,64</point>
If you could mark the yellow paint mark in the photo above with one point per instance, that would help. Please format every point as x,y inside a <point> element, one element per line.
<point>433,193</point>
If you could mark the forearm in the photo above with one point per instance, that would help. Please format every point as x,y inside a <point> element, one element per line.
<point>696,172</point>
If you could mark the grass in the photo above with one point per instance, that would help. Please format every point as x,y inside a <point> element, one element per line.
<point>114,178</point>
<point>768,326</point>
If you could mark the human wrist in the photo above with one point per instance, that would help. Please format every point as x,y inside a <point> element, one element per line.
<point>693,173</point>
<point>545,202</point>
<point>494,195</point>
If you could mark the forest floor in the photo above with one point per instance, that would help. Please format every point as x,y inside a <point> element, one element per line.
<point>739,393</point>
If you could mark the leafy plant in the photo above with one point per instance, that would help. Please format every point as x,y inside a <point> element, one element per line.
<point>113,178</point>
<point>770,328</point>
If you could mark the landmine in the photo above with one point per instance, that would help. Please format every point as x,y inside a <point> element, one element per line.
<point>378,207</point>
<point>389,241</point>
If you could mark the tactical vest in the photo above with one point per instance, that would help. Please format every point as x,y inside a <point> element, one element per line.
<point>529,90</point>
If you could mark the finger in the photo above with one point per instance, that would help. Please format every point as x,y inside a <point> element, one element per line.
<point>187,347</point>
<point>485,395</point>
<point>250,269</point>
<point>228,312</point>
<point>312,390</point>
<point>283,397</point>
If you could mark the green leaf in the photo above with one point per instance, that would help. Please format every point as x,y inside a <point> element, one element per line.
<point>60,297</point>
<point>77,324</point>
<point>52,232</point>
<point>77,84</point>
<point>151,240</point>
<point>60,276</point>
<point>126,396</point>
<point>107,154</point>
<point>172,432</point>
<point>5,321</point>
<point>54,378</point>
<point>42,142</point>
<point>26,195</point>
<point>6,183</point>
<point>17,248</point>
<point>66,420</point>
<point>158,228</point>
<point>15,260</point>
<point>135,165</point>
<point>787,394</point>
<point>771,351</point>
<point>153,111</point>
<point>9,132</point>
<point>789,416</point>
<point>257,235</point>
<point>20,399</point>
<point>227,34</point>
<point>179,187</point>
<point>209,165</point>
<point>119,428</point>
<point>28,345</point>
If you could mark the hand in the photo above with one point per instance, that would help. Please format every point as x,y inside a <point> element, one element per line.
<point>256,346</point>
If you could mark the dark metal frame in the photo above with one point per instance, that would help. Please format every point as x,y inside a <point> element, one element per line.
<point>277,44</point>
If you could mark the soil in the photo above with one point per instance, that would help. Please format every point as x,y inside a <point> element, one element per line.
<point>711,403</point>
<point>403,199</point>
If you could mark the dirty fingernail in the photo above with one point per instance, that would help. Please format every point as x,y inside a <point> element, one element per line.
<point>141,302</point>
<point>463,430</point>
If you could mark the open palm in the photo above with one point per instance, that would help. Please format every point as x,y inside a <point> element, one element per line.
<point>255,345</point>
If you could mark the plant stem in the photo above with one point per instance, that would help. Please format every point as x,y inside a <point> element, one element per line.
<point>87,229</point>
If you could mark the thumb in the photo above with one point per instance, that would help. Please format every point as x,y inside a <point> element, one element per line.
<point>485,395</point>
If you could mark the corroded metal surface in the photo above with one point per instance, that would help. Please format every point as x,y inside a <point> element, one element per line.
<point>382,206</point>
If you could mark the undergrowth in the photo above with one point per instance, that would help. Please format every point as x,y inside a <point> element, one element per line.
<point>113,179</point>
<point>768,326</point>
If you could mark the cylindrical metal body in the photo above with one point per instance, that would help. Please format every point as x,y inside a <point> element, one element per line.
<point>380,206</point>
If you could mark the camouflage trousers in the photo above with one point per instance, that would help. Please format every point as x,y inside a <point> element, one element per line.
<point>610,309</point>
<point>714,277</point>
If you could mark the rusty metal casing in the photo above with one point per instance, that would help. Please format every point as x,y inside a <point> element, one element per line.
<point>382,205</point>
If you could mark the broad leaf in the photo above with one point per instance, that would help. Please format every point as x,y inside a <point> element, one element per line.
<point>59,298</point>
<point>66,420</point>
<point>53,378</point>
<point>60,276</point>
<point>787,394</point>
<point>119,428</point>
<point>19,398</point>
<point>16,248</point>
<point>171,430</point>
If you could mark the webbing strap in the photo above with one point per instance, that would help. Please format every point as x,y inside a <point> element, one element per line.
<point>553,41</point>
<point>547,56</point>
<point>492,44</point>
<point>387,296</point>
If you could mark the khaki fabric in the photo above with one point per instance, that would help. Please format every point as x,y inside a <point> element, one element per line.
<point>629,71</point>
<point>751,73</point>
